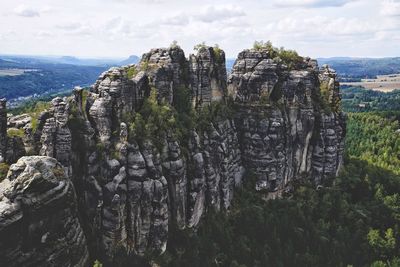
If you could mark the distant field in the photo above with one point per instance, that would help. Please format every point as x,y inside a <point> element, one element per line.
<point>14,72</point>
<point>383,83</point>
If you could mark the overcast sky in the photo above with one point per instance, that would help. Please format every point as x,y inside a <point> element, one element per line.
<point>119,28</point>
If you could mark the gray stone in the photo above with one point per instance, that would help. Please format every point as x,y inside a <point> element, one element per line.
<point>38,199</point>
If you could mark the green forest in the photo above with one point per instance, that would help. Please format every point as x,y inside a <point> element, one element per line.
<point>357,99</point>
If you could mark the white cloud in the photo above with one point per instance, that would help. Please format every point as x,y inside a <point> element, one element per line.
<point>26,11</point>
<point>118,26</point>
<point>69,26</point>
<point>218,13</point>
<point>311,3</point>
<point>44,34</point>
<point>76,28</point>
<point>390,8</point>
<point>46,9</point>
<point>177,20</point>
<point>124,27</point>
<point>139,1</point>
<point>324,27</point>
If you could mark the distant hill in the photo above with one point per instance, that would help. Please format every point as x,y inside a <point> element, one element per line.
<point>354,69</point>
<point>64,60</point>
<point>86,61</point>
<point>131,60</point>
<point>27,76</point>
<point>33,76</point>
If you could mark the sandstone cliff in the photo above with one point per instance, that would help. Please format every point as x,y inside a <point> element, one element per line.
<point>288,128</point>
<point>39,223</point>
<point>151,147</point>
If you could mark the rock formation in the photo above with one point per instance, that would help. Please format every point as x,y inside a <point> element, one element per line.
<point>288,129</point>
<point>208,75</point>
<point>3,129</point>
<point>11,147</point>
<point>39,223</point>
<point>282,123</point>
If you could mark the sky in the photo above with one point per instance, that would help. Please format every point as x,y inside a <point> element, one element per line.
<point>119,28</point>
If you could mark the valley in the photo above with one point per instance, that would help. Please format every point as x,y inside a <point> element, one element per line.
<point>25,78</point>
<point>383,83</point>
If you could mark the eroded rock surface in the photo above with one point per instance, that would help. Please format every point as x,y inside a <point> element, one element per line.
<point>208,76</point>
<point>11,147</point>
<point>132,191</point>
<point>3,129</point>
<point>39,223</point>
<point>288,128</point>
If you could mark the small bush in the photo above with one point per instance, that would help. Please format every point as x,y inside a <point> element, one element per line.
<point>34,111</point>
<point>159,119</point>
<point>200,46</point>
<point>59,172</point>
<point>286,56</point>
<point>261,45</point>
<point>264,98</point>
<point>100,147</point>
<point>85,94</point>
<point>174,44</point>
<point>97,264</point>
<point>218,53</point>
<point>132,72</point>
<point>324,91</point>
<point>13,132</point>
<point>145,66</point>
<point>3,170</point>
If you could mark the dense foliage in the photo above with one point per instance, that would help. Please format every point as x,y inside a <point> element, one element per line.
<point>374,137</point>
<point>356,99</point>
<point>334,226</point>
<point>156,119</point>
<point>153,121</point>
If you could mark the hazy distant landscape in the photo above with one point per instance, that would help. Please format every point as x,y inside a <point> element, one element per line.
<point>383,83</point>
<point>24,77</point>
<point>355,69</point>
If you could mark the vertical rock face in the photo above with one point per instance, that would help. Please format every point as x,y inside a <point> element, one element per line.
<point>11,147</point>
<point>133,190</point>
<point>288,127</point>
<point>167,69</point>
<point>39,223</point>
<point>56,136</point>
<point>3,129</point>
<point>329,149</point>
<point>118,94</point>
<point>208,75</point>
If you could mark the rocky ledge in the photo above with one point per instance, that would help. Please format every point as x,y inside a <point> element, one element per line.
<point>39,223</point>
